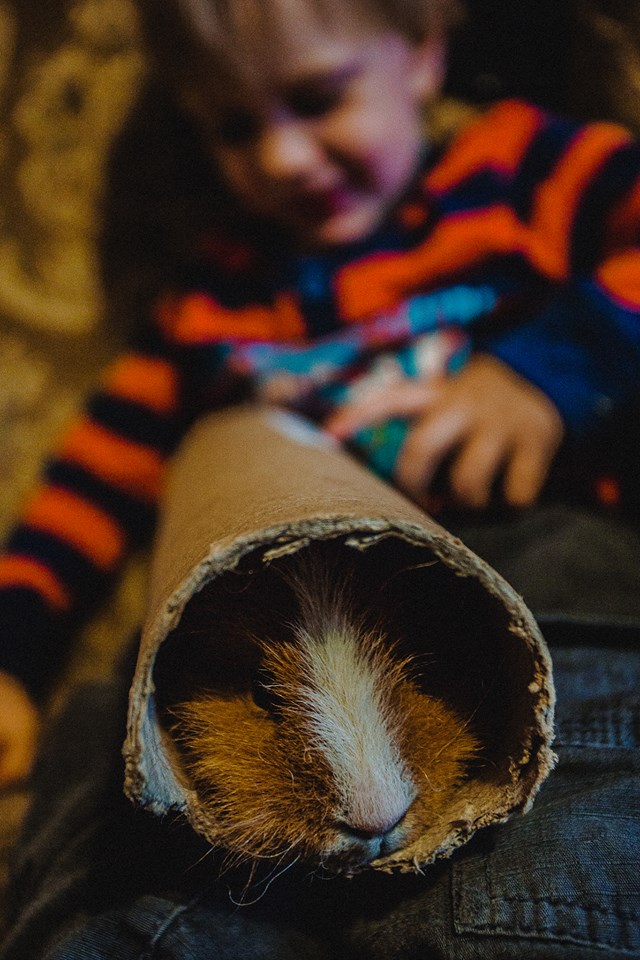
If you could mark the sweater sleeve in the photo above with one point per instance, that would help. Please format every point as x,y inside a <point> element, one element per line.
<point>583,354</point>
<point>96,499</point>
<point>576,199</point>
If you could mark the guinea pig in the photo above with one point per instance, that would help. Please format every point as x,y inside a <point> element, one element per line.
<point>330,753</point>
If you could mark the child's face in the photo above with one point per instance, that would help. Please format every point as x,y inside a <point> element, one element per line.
<point>334,136</point>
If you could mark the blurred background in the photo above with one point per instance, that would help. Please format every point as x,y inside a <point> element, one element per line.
<point>88,188</point>
<point>71,72</point>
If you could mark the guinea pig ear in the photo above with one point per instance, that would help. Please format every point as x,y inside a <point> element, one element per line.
<point>266,694</point>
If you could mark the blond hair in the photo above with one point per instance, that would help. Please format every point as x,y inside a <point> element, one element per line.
<point>228,35</point>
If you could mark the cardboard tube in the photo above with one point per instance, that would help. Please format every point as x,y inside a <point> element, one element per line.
<point>251,485</point>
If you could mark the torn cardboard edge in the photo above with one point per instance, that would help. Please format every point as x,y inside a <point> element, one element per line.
<point>251,484</point>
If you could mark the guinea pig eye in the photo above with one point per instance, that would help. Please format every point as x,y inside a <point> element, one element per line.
<point>264,694</point>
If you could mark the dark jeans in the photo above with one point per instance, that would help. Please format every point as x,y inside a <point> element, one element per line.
<point>95,878</point>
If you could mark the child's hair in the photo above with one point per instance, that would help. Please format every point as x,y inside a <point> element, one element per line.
<point>223,35</point>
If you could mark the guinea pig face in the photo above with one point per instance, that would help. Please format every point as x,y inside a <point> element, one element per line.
<point>337,759</point>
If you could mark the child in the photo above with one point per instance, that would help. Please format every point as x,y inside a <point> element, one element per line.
<point>351,270</point>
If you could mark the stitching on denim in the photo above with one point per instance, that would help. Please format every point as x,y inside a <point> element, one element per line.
<point>551,932</point>
<point>613,727</point>
<point>559,933</point>
<point>165,925</point>
<point>556,930</point>
<point>567,902</point>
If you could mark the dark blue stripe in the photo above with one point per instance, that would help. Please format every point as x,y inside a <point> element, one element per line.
<point>150,342</point>
<point>542,155</point>
<point>134,516</point>
<point>133,422</point>
<point>615,179</point>
<point>73,568</point>
<point>230,290</point>
<point>482,189</point>
<point>33,644</point>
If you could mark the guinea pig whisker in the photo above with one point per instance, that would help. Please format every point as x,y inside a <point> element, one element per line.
<point>415,665</point>
<point>316,873</point>
<point>428,779</point>
<point>238,588</point>
<point>278,854</point>
<point>413,566</point>
<point>235,859</point>
<point>276,867</point>
<point>246,886</point>
<point>464,726</point>
<point>250,903</point>
<point>204,856</point>
<point>232,861</point>
<point>437,756</point>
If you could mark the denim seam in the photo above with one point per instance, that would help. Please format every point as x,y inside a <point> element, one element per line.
<point>165,926</point>
<point>567,902</point>
<point>593,744</point>
<point>540,930</point>
<point>551,931</point>
<point>547,933</point>
<point>613,728</point>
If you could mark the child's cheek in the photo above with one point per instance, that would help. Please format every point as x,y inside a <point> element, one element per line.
<point>386,149</point>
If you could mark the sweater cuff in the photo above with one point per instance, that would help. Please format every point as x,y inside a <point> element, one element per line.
<point>581,350</point>
<point>31,637</point>
<point>558,370</point>
<point>548,351</point>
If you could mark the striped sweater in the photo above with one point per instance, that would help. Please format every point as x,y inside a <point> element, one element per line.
<point>520,238</point>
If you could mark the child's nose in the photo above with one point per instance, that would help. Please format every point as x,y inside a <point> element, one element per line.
<point>289,149</point>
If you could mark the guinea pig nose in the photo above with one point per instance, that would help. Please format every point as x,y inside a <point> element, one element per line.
<point>370,832</point>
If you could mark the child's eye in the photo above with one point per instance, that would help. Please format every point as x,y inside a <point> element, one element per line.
<point>237,127</point>
<point>315,102</point>
<point>324,91</point>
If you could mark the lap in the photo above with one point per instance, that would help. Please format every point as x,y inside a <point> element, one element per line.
<point>94,878</point>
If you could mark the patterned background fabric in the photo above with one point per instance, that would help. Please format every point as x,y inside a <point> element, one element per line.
<point>70,72</point>
<point>65,88</point>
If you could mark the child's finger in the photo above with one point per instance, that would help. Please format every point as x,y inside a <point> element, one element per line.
<point>476,467</point>
<point>527,471</point>
<point>405,398</point>
<point>429,441</point>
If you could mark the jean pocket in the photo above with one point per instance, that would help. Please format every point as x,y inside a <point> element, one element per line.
<point>569,870</point>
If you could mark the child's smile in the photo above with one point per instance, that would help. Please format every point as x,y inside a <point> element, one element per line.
<point>328,140</point>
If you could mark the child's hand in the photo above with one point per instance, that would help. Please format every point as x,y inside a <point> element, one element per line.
<point>18,730</point>
<point>489,418</point>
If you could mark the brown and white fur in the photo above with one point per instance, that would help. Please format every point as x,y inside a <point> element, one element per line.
<point>338,758</point>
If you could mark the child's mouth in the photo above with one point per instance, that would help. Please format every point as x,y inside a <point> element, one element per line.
<point>321,204</point>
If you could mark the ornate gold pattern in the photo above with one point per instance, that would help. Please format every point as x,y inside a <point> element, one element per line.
<point>68,106</point>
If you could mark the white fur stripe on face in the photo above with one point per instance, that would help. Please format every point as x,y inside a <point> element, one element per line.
<point>346,700</point>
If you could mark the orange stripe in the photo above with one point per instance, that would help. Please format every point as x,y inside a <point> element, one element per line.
<point>150,382</point>
<point>23,572</point>
<point>125,465</point>
<point>620,276</point>
<point>93,532</point>
<point>497,140</point>
<point>558,197</point>
<point>199,319</point>
<point>459,242</point>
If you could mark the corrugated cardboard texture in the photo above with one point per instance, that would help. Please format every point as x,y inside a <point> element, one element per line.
<point>250,486</point>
